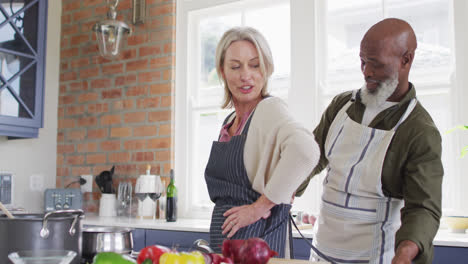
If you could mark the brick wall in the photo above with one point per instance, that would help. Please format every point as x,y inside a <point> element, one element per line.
<point>115,112</point>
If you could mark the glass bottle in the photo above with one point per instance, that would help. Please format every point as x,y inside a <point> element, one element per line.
<point>162,202</point>
<point>171,200</point>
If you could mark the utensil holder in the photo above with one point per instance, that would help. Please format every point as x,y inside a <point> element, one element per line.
<point>107,205</point>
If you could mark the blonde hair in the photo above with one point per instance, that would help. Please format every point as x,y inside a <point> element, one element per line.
<point>256,38</point>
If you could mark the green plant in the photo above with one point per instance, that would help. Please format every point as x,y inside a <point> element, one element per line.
<point>464,150</point>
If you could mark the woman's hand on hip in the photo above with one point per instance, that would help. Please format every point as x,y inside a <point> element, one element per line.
<point>244,215</point>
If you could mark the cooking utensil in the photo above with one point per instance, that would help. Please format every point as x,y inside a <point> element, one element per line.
<point>124,199</point>
<point>59,230</point>
<point>99,183</point>
<point>108,187</point>
<point>42,256</point>
<point>5,210</point>
<point>202,246</point>
<point>104,181</point>
<point>106,239</point>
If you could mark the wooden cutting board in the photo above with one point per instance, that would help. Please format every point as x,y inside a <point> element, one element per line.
<point>292,261</point>
<point>305,226</point>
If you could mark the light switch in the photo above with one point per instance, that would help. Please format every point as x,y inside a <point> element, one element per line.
<point>36,182</point>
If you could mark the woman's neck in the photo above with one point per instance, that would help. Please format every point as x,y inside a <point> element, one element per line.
<point>242,109</point>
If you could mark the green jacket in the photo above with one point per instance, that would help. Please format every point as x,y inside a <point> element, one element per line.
<point>412,169</point>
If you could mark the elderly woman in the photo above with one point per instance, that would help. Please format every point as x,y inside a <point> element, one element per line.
<point>262,154</point>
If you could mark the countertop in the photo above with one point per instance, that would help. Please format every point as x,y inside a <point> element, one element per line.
<point>443,238</point>
<point>187,225</point>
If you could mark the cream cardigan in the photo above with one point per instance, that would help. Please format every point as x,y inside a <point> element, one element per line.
<point>279,152</point>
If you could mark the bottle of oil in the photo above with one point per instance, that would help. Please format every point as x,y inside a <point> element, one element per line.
<point>171,200</point>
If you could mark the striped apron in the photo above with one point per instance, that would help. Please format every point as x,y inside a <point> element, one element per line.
<point>357,222</point>
<point>229,186</point>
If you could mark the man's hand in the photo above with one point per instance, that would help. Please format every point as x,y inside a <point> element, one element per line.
<point>240,216</point>
<point>407,250</point>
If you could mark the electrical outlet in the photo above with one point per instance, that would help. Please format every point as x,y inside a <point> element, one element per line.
<point>88,186</point>
<point>36,182</point>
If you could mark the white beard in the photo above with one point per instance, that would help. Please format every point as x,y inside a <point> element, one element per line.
<point>382,93</point>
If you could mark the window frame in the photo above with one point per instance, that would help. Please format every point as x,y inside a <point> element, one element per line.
<point>308,16</point>
<point>187,22</point>
<point>21,127</point>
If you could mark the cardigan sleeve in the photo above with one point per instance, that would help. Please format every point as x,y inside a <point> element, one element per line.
<point>320,133</point>
<point>280,153</point>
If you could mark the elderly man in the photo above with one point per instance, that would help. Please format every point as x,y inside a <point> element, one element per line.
<point>382,193</point>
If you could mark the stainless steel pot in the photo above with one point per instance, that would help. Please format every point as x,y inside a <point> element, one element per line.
<point>53,230</point>
<point>106,239</point>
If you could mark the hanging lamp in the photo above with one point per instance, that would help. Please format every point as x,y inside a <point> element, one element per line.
<point>111,32</point>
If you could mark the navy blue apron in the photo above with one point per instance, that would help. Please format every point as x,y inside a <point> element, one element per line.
<point>229,186</point>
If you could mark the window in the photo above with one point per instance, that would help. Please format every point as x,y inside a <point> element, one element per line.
<point>22,63</point>
<point>432,68</point>
<point>315,45</point>
<point>204,90</point>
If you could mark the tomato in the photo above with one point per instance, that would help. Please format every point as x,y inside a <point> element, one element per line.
<point>153,253</point>
<point>182,258</point>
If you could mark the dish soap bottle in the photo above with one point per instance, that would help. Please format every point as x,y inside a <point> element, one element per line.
<point>171,200</point>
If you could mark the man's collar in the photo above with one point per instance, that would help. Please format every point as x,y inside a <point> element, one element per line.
<point>410,94</point>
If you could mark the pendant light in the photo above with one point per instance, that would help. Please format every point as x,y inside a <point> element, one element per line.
<point>110,33</point>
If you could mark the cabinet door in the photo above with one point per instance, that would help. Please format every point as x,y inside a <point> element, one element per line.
<point>450,255</point>
<point>301,248</point>
<point>22,66</point>
<point>138,239</point>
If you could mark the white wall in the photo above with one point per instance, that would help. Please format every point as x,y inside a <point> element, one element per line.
<point>27,157</point>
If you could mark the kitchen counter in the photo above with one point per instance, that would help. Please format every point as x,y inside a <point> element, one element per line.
<point>443,238</point>
<point>187,225</point>
<point>448,239</point>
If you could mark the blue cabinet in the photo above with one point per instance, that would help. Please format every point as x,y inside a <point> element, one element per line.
<point>183,241</point>
<point>23,26</point>
<point>450,255</point>
<point>180,240</point>
<point>301,248</point>
<point>138,239</point>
